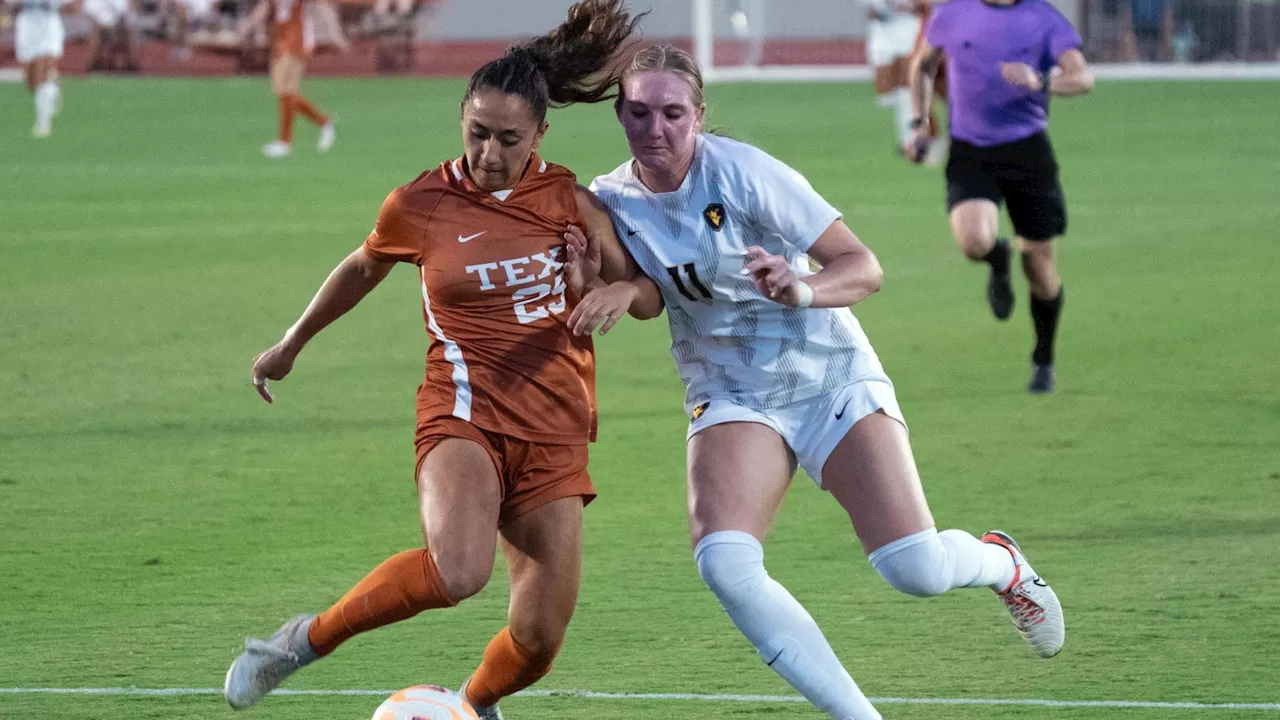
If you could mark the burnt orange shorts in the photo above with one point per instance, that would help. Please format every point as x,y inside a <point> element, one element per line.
<point>532,474</point>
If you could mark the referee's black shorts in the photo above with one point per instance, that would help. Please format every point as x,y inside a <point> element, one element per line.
<point>1023,174</point>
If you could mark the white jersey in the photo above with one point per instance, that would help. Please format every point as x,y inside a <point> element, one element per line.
<point>728,340</point>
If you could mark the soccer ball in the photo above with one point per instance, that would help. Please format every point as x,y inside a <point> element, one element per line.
<point>426,702</point>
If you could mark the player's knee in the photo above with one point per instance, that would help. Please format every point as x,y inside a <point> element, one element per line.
<point>1038,266</point>
<point>731,563</point>
<point>975,242</point>
<point>916,565</point>
<point>462,574</point>
<point>540,642</point>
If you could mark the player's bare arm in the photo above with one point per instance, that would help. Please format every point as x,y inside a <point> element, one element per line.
<point>924,68</point>
<point>617,287</point>
<point>346,286</point>
<point>603,304</point>
<point>850,272</point>
<point>615,262</point>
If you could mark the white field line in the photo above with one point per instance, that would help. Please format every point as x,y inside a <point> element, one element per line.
<point>170,692</point>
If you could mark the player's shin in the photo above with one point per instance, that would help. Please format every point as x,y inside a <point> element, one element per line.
<point>404,585</point>
<point>46,99</point>
<point>783,632</point>
<point>508,667</point>
<point>929,563</point>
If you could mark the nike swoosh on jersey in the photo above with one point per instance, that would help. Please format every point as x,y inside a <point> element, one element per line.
<point>469,238</point>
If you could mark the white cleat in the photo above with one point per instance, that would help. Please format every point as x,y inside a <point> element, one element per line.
<point>265,664</point>
<point>328,135</point>
<point>42,130</point>
<point>484,713</point>
<point>277,149</point>
<point>1035,608</point>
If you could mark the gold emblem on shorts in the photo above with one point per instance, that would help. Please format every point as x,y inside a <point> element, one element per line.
<point>697,412</point>
<point>714,215</point>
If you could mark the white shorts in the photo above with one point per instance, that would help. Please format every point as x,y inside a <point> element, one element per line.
<point>38,34</point>
<point>198,8</point>
<point>811,428</point>
<point>888,40</point>
<point>106,13</point>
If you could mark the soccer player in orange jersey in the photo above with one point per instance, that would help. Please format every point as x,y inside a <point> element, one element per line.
<point>292,40</point>
<point>507,407</point>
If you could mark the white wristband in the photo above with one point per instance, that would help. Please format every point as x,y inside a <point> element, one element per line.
<point>805,292</point>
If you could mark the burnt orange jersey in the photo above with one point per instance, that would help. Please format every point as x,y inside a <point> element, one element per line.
<point>291,30</point>
<point>495,302</point>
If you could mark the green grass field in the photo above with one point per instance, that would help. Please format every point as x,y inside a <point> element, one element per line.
<point>153,511</point>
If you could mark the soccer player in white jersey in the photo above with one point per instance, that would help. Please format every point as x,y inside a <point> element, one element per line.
<point>38,39</point>
<point>778,373</point>
<point>892,27</point>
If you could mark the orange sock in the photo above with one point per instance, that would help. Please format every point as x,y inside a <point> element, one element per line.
<point>286,118</point>
<point>507,668</point>
<point>404,585</point>
<point>309,111</point>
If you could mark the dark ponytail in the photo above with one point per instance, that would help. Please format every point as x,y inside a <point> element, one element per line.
<point>575,63</point>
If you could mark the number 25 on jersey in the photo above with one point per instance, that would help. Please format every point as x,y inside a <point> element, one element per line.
<point>536,278</point>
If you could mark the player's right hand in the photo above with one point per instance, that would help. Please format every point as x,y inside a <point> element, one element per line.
<point>272,364</point>
<point>917,146</point>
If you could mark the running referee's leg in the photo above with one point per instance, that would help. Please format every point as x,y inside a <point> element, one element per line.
<point>1046,308</point>
<point>975,223</point>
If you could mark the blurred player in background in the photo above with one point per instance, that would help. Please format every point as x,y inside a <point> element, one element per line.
<point>892,28</point>
<point>939,145</point>
<point>507,407</point>
<point>111,34</point>
<point>778,373</point>
<point>1000,57</point>
<point>38,37</point>
<point>292,41</point>
<point>187,16</point>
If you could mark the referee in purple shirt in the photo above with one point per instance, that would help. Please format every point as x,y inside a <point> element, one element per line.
<point>1004,58</point>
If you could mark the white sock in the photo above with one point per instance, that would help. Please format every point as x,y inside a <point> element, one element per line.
<point>790,642</point>
<point>46,102</point>
<point>904,113</point>
<point>930,563</point>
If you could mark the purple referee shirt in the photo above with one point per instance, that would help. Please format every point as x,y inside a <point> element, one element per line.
<point>976,37</point>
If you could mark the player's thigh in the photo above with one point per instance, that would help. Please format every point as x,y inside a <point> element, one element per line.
<point>872,474</point>
<point>738,474</point>
<point>286,74</point>
<point>543,550</point>
<point>459,497</point>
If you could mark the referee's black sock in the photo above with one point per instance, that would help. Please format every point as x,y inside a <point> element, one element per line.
<point>1044,314</point>
<point>998,257</point>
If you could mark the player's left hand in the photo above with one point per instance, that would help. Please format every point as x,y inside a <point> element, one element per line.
<point>604,307</point>
<point>773,276</point>
<point>583,264</point>
<point>1021,75</point>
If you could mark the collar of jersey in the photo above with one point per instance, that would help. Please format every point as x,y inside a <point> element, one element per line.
<point>458,168</point>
